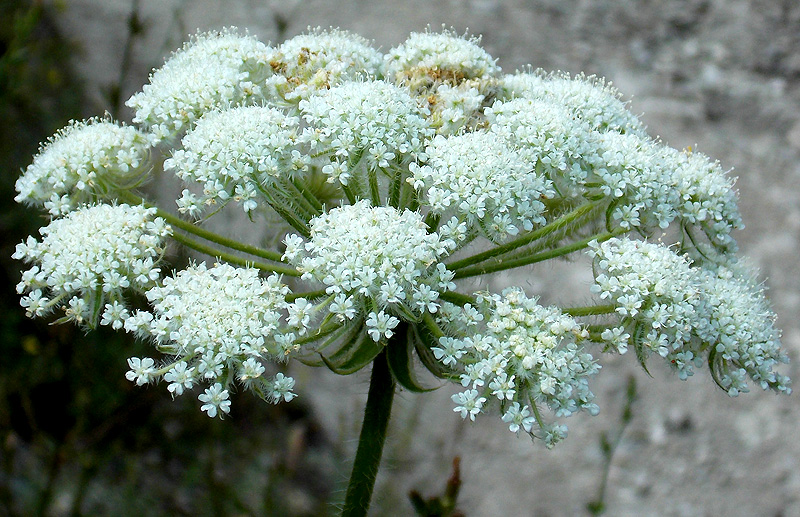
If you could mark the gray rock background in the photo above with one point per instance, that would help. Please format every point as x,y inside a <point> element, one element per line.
<point>721,75</point>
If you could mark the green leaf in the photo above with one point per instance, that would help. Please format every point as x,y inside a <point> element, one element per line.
<point>401,361</point>
<point>363,351</point>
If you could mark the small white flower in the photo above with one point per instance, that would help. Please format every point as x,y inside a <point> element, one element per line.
<point>215,401</point>
<point>468,403</point>
<point>180,377</point>
<point>141,370</point>
<point>380,325</point>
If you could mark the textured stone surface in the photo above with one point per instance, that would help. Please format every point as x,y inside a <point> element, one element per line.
<point>723,75</point>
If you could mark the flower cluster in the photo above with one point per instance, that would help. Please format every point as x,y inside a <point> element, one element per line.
<point>87,259</point>
<point>426,60</point>
<point>374,122</point>
<point>484,181</point>
<point>320,60</point>
<point>377,260</point>
<point>590,99</point>
<point>646,184</point>
<point>519,354</point>
<point>234,154</point>
<point>213,70</point>
<point>83,163</point>
<point>393,176</point>
<point>685,313</point>
<point>219,324</point>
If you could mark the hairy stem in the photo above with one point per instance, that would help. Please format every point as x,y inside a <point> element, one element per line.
<point>592,310</point>
<point>501,265</point>
<point>233,259</point>
<point>524,240</point>
<point>373,435</point>
<point>202,233</point>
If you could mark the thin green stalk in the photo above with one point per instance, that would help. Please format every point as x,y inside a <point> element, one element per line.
<point>233,259</point>
<point>202,233</point>
<point>593,310</point>
<point>434,329</point>
<point>374,192</point>
<point>292,194</point>
<point>554,226</point>
<point>309,295</point>
<point>290,218</point>
<point>396,187</point>
<point>501,265</point>
<point>348,192</point>
<point>309,195</point>
<point>457,298</point>
<point>373,435</point>
<point>320,333</point>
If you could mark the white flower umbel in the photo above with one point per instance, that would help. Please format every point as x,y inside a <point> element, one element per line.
<point>484,182</point>
<point>213,70</point>
<point>426,60</point>
<point>590,99</point>
<point>383,262</point>
<point>556,143</point>
<point>87,259</point>
<point>320,60</point>
<point>741,331</point>
<point>236,154</point>
<point>706,197</point>
<point>219,324</point>
<point>84,162</point>
<point>519,356</point>
<point>372,122</point>
<point>689,315</point>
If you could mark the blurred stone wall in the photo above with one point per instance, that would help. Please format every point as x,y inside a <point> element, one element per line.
<point>720,75</point>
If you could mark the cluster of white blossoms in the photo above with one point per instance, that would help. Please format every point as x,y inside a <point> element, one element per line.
<point>591,100</point>
<point>84,162</point>
<point>388,177</point>
<point>213,70</point>
<point>88,258</point>
<point>219,324</point>
<point>234,154</point>
<point>377,261</point>
<point>689,314</point>
<point>319,60</point>
<point>646,184</point>
<point>374,122</point>
<point>486,183</point>
<point>428,59</point>
<point>517,353</point>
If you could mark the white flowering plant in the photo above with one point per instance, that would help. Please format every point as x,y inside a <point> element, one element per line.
<point>395,176</point>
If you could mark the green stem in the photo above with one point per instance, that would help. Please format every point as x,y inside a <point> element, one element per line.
<point>202,233</point>
<point>288,216</point>
<point>308,296</point>
<point>309,195</point>
<point>501,265</point>
<point>374,192</point>
<point>291,191</point>
<point>458,298</point>
<point>434,329</point>
<point>395,188</point>
<point>594,310</point>
<point>554,226</point>
<point>373,435</point>
<point>351,196</point>
<point>233,259</point>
